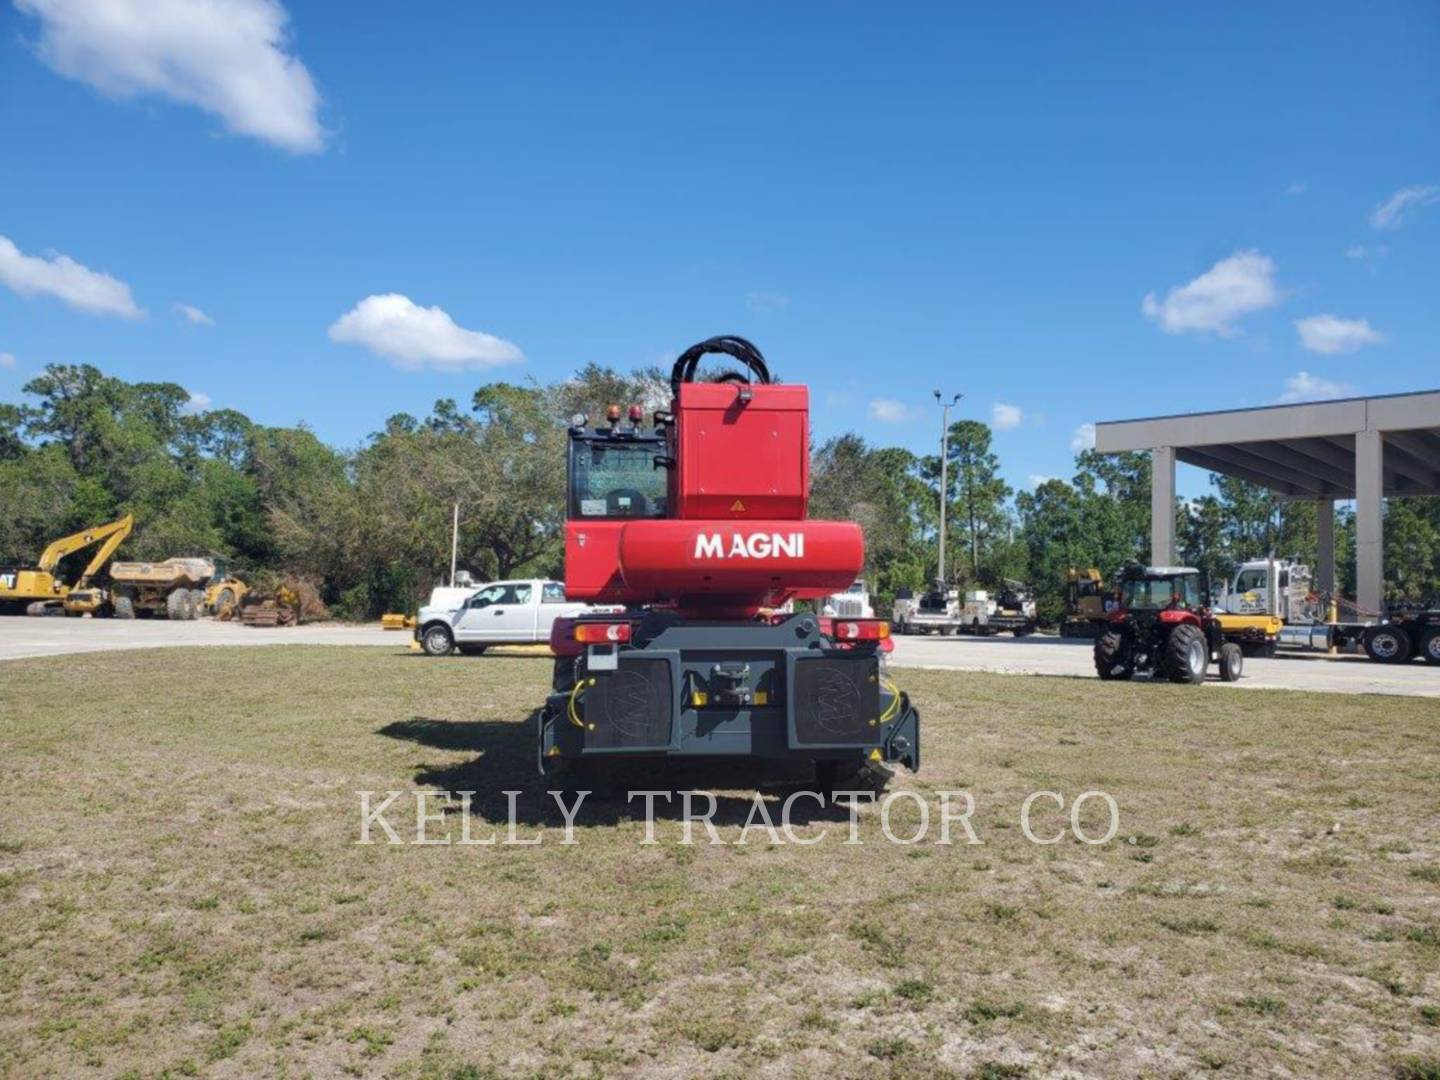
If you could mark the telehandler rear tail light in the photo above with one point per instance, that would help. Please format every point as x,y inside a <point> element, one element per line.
<point>602,633</point>
<point>636,414</point>
<point>861,629</point>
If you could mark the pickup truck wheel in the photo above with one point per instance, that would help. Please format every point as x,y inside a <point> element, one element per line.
<point>437,641</point>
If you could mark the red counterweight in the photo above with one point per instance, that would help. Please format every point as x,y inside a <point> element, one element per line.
<point>731,536</point>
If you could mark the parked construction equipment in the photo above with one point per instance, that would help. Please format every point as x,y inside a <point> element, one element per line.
<point>177,588</point>
<point>1164,626</point>
<point>1087,602</point>
<point>696,525</point>
<point>40,590</point>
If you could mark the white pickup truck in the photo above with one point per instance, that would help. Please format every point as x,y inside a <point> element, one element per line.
<point>500,613</point>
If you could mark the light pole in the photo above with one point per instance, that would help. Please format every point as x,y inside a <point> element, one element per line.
<point>945,407</point>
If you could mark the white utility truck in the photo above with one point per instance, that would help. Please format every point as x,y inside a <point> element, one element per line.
<point>500,613</point>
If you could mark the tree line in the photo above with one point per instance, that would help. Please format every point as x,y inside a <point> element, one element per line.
<point>370,527</point>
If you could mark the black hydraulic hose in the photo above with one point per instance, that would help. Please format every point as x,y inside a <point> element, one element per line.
<point>727,345</point>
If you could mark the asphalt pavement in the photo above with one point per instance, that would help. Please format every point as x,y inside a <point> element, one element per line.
<point>1039,654</point>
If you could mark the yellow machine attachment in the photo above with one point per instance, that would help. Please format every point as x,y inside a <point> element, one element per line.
<point>397,622</point>
<point>1255,634</point>
<point>40,588</point>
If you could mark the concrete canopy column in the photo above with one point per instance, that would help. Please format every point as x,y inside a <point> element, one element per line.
<point>1369,522</point>
<point>1325,534</point>
<point>1162,506</point>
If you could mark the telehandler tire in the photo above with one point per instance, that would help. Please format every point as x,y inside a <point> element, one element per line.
<point>864,775</point>
<point>1186,654</point>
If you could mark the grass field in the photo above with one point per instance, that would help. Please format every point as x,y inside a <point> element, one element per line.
<point>181,891</point>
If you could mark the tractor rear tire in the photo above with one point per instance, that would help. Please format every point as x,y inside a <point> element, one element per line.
<point>1387,644</point>
<point>124,607</point>
<point>1232,662</point>
<point>1430,646</point>
<point>1187,654</point>
<point>1112,657</point>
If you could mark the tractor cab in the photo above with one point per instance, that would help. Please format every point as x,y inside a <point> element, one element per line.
<point>1161,588</point>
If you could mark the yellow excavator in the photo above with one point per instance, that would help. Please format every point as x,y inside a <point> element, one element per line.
<point>42,592</point>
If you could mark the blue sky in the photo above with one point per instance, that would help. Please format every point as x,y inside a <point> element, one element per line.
<point>886,198</point>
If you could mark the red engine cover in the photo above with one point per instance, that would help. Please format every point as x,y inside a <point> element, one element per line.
<point>719,563</point>
<point>741,452</point>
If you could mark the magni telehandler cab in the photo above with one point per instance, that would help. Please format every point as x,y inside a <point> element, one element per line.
<point>697,526</point>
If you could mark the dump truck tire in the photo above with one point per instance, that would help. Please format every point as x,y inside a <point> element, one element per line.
<point>1186,655</point>
<point>197,603</point>
<point>124,607</point>
<point>1112,659</point>
<point>1232,662</point>
<point>175,604</point>
<point>1387,644</point>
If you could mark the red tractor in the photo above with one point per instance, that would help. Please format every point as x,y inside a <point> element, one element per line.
<point>697,526</point>
<point>1164,626</point>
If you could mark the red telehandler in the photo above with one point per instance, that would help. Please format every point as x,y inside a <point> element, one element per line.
<point>697,526</point>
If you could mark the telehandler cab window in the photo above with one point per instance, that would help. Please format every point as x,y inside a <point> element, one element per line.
<point>612,478</point>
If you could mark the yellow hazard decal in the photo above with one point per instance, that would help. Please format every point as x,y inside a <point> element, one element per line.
<point>737,507</point>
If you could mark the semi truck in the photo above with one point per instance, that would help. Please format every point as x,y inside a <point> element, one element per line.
<point>1283,590</point>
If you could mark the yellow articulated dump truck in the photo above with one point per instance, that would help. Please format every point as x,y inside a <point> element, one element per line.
<point>40,589</point>
<point>173,589</point>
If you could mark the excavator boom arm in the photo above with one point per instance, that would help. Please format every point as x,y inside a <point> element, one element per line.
<point>109,537</point>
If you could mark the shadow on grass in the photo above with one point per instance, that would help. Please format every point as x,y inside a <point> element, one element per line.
<point>506,761</point>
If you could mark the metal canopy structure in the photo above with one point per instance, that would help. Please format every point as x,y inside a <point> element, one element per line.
<point>1356,448</point>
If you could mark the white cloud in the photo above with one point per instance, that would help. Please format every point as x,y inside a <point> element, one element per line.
<point>1211,303</point>
<point>1083,438</point>
<point>889,411</point>
<point>198,403</point>
<point>415,337</point>
<point>7,360</point>
<point>65,279</point>
<point>1036,479</point>
<point>228,57</point>
<point>1302,386</point>
<point>193,315</point>
<point>1295,189</point>
<point>1393,211</point>
<point>1329,334</point>
<point>1004,417</point>
<point>763,303</point>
